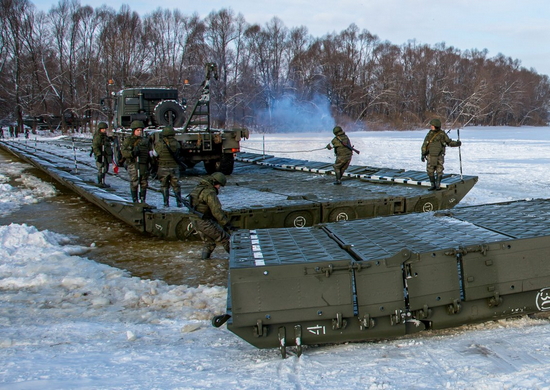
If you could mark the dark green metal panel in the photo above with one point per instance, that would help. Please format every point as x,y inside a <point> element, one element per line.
<point>380,290</point>
<point>291,293</point>
<point>432,281</point>
<point>507,268</point>
<point>403,274</point>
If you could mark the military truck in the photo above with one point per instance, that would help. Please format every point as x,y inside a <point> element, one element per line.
<point>153,106</point>
<point>159,107</point>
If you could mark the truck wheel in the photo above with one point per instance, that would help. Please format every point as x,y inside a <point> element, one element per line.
<point>226,163</point>
<point>223,165</point>
<point>211,166</point>
<point>169,113</point>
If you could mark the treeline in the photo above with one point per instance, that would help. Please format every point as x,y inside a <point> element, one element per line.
<point>270,77</point>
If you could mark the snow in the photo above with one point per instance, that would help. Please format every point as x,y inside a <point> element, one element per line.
<point>67,322</point>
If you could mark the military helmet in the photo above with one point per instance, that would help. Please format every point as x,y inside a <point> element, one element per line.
<point>337,130</point>
<point>168,131</point>
<point>102,125</point>
<point>435,122</point>
<point>136,125</point>
<point>219,178</point>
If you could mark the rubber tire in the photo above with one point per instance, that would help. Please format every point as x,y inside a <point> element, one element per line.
<point>224,165</point>
<point>211,166</point>
<point>162,113</point>
<point>227,163</point>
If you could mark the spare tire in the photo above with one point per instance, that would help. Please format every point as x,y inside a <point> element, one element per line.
<point>169,113</point>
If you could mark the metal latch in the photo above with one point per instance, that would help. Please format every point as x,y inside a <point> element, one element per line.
<point>495,300</point>
<point>454,308</point>
<point>366,322</point>
<point>339,322</point>
<point>260,330</point>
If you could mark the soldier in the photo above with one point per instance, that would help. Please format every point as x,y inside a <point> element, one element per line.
<point>135,150</point>
<point>433,152</point>
<point>103,151</point>
<point>343,152</point>
<point>213,225</point>
<point>167,150</point>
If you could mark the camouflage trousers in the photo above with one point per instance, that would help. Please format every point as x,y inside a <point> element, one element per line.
<point>211,233</point>
<point>169,177</point>
<point>434,164</point>
<point>140,180</point>
<point>342,163</point>
<point>102,168</point>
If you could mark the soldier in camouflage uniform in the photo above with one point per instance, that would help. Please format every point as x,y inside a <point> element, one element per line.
<point>343,151</point>
<point>103,152</point>
<point>433,152</point>
<point>214,222</point>
<point>135,150</point>
<point>167,150</point>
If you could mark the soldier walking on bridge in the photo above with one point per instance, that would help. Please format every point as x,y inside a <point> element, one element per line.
<point>103,151</point>
<point>135,150</point>
<point>209,219</point>
<point>433,152</point>
<point>168,150</point>
<point>343,151</point>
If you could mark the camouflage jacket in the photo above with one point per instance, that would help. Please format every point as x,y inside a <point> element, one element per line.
<point>140,145</point>
<point>435,143</point>
<point>165,158</point>
<point>101,145</point>
<point>338,143</point>
<point>204,198</point>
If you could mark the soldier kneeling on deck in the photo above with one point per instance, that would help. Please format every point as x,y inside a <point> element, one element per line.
<point>214,225</point>
<point>433,152</point>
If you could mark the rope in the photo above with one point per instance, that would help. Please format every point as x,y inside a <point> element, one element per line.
<point>283,151</point>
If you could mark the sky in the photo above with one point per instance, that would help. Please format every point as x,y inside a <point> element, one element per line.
<point>516,29</point>
<point>68,322</point>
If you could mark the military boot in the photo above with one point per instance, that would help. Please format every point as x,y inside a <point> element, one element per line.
<point>432,181</point>
<point>142,194</point>
<point>100,180</point>
<point>338,178</point>
<point>205,253</point>
<point>166,196</point>
<point>438,183</point>
<point>103,184</point>
<point>178,198</point>
<point>134,192</point>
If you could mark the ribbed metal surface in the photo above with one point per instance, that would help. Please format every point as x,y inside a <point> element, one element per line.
<point>383,237</point>
<point>522,219</point>
<point>268,192</point>
<point>371,239</point>
<point>378,238</point>
<point>382,175</point>
<point>253,248</point>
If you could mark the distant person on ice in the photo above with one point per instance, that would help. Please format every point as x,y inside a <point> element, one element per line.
<point>433,152</point>
<point>343,151</point>
<point>103,151</point>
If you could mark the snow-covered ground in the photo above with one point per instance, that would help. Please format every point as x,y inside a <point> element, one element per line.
<point>67,322</point>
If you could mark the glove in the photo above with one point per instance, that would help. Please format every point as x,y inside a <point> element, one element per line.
<point>423,158</point>
<point>230,228</point>
<point>458,143</point>
<point>99,159</point>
